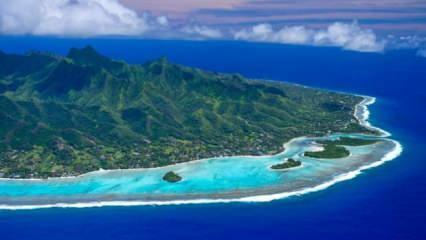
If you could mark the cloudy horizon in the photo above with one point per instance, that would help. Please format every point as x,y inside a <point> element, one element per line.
<point>381,15</point>
<point>355,25</point>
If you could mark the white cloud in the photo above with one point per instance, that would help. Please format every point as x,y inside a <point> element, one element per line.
<point>110,17</point>
<point>202,31</point>
<point>348,36</point>
<point>407,41</point>
<point>265,33</point>
<point>70,18</point>
<point>85,18</point>
<point>163,21</point>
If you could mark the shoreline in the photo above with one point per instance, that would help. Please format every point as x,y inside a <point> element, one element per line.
<point>360,109</point>
<point>142,169</point>
<point>361,113</point>
<point>251,199</point>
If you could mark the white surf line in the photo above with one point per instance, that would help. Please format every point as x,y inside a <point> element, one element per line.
<point>362,109</point>
<point>396,151</point>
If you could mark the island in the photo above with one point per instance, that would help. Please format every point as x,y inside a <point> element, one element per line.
<point>86,130</point>
<point>336,149</point>
<point>63,116</point>
<point>330,151</point>
<point>172,177</point>
<point>290,163</point>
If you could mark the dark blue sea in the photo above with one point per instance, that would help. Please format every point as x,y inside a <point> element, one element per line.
<point>387,202</point>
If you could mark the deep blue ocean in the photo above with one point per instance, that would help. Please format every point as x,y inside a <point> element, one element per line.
<point>387,202</point>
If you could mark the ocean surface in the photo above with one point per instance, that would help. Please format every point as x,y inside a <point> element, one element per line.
<point>387,202</point>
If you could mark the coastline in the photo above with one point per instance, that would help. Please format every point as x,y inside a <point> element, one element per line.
<point>260,198</point>
<point>361,113</point>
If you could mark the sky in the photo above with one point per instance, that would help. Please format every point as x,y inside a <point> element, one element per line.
<point>385,15</point>
<point>355,25</point>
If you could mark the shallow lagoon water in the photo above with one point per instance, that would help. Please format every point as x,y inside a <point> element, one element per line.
<point>223,178</point>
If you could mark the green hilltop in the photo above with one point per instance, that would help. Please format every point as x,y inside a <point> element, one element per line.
<point>62,116</point>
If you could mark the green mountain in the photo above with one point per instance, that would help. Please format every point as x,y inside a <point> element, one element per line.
<point>62,116</point>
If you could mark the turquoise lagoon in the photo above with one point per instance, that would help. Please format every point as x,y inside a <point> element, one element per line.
<point>239,178</point>
<point>224,179</point>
